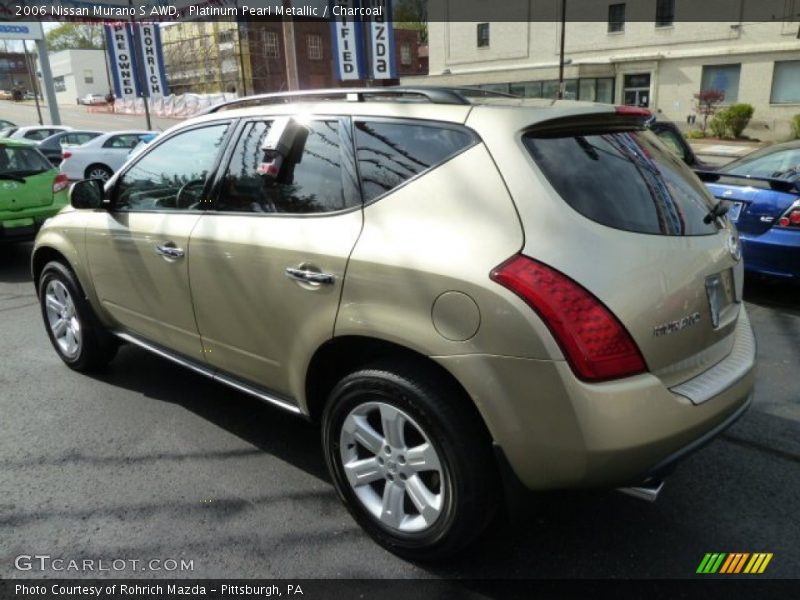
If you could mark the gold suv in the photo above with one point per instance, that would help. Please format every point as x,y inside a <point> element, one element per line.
<point>449,284</point>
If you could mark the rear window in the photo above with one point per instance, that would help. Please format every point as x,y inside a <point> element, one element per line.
<point>22,161</point>
<point>624,179</point>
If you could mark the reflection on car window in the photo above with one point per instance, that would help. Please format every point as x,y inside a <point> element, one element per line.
<point>391,153</point>
<point>309,181</point>
<point>624,180</point>
<point>126,141</point>
<point>173,175</point>
<point>783,164</point>
<point>22,162</point>
<point>668,137</point>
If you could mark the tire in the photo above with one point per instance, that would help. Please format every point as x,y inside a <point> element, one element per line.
<point>417,512</point>
<point>98,171</point>
<point>72,326</point>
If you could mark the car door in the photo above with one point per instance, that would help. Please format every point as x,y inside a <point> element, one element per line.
<point>268,264</point>
<point>138,250</point>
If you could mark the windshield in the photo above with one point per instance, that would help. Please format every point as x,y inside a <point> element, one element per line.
<point>626,180</point>
<point>22,162</point>
<point>776,163</point>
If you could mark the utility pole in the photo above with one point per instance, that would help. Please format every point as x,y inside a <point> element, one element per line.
<point>241,47</point>
<point>32,77</point>
<point>292,79</point>
<point>138,73</point>
<point>561,84</point>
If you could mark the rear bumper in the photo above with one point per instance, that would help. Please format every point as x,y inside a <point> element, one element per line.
<point>775,253</point>
<point>559,432</point>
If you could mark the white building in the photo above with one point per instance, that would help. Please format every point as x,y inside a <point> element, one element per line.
<point>77,73</point>
<point>647,57</point>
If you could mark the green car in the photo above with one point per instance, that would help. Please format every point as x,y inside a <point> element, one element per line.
<point>31,190</point>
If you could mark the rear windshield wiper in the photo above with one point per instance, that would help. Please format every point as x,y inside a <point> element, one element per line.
<point>12,177</point>
<point>720,209</point>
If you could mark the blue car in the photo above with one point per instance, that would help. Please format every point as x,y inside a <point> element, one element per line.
<point>762,193</point>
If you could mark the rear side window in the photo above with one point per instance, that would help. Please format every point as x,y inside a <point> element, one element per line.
<point>626,180</point>
<point>22,162</point>
<point>389,154</point>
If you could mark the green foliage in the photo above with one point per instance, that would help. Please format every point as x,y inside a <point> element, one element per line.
<point>75,36</point>
<point>412,14</point>
<point>796,126</point>
<point>732,121</point>
<point>695,134</point>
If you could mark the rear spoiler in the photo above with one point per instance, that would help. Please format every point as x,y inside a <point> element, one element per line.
<point>779,185</point>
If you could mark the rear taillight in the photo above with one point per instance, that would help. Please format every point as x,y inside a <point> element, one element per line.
<point>595,343</point>
<point>635,111</point>
<point>60,183</point>
<point>791,218</point>
<point>66,154</point>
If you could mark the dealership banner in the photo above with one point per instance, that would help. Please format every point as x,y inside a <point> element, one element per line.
<point>150,59</point>
<point>121,60</point>
<point>348,41</point>
<point>382,63</point>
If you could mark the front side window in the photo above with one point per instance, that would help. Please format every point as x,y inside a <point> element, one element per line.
<point>723,78</point>
<point>174,174</point>
<point>786,82</point>
<point>625,180</point>
<point>309,179</point>
<point>616,18</point>
<point>389,154</point>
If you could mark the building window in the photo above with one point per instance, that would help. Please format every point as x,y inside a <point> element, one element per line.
<point>483,35</point>
<point>405,54</point>
<point>314,46</point>
<point>786,82</point>
<point>225,37</point>
<point>724,78</point>
<point>665,13</point>
<point>271,47</point>
<point>59,84</point>
<point>88,76</point>
<point>616,18</point>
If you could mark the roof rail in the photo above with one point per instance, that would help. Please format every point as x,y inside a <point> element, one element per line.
<point>435,95</point>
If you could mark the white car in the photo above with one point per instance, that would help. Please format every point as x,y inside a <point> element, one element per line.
<point>33,133</point>
<point>90,99</point>
<point>101,157</point>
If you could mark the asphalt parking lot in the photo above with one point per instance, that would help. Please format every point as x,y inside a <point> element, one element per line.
<point>149,461</point>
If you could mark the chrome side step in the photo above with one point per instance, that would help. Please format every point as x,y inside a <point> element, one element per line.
<point>210,373</point>
<point>647,491</point>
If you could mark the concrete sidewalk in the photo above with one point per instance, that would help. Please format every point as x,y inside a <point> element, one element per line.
<point>724,148</point>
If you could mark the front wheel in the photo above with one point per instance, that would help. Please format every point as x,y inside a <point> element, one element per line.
<point>411,461</point>
<point>73,329</point>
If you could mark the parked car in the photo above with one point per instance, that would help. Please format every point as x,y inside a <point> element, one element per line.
<point>6,95</point>
<point>142,144</point>
<point>90,99</point>
<point>31,190</point>
<point>33,133</point>
<point>762,191</point>
<point>669,133</point>
<point>53,146</point>
<point>447,284</point>
<point>100,157</point>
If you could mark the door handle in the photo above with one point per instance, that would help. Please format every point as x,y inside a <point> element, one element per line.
<point>308,276</point>
<point>169,251</point>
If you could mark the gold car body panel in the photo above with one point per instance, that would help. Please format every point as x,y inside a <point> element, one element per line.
<point>144,292</point>
<point>255,321</point>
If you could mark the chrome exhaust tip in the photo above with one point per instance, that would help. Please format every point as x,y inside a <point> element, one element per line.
<point>647,491</point>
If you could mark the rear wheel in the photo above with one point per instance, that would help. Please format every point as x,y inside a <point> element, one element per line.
<point>74,330</point>
<point>100,172</point>
<point>411,461</point>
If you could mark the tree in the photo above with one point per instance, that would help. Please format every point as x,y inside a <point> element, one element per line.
<point>706,104</point>
<point>75,36</point>
<point>412,14</point>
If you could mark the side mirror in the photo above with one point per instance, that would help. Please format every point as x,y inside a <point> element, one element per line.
<point>87,193</point>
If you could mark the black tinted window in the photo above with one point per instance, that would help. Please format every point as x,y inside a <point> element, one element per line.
<point>626,180</point>
<point>22,161</point>
<point>391,153</point>
<point>309,180</point>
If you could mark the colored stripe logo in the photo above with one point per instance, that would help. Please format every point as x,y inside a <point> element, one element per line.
<point>734,563</point>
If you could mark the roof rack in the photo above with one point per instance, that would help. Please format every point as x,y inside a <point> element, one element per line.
<point>435,95</point>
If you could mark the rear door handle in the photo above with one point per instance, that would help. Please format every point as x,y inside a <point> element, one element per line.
<point>170,251</point>
<point>308,276</point>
